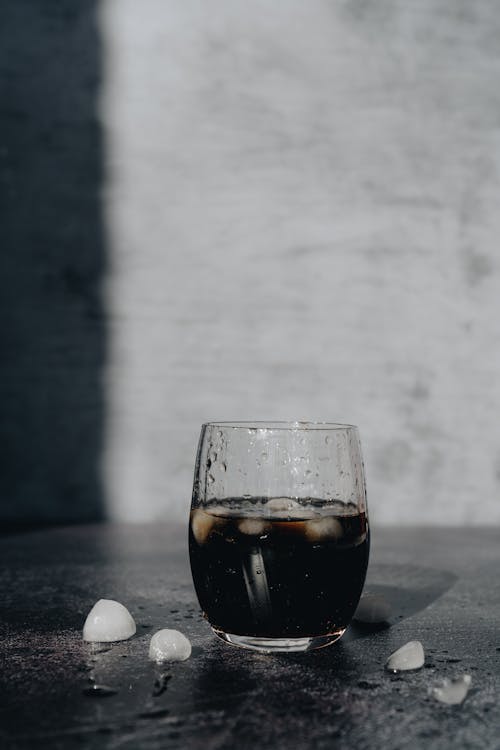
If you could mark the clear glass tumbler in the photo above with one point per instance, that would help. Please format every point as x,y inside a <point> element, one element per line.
<point>278,533</point>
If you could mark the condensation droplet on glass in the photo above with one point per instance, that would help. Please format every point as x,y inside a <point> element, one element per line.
<point>308,472</point>
<point>223,466</point>
<point>212,456</point>
<point>210,479</point>
<point>328,439</point>
<point>219,433</point>
<point>264,456</point>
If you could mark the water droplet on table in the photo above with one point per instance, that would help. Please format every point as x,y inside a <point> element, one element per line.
<point>99,691</point>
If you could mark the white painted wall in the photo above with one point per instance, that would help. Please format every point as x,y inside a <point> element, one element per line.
<point>303,213</point>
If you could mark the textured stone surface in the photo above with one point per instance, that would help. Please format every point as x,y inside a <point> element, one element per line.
<point>223,697</point>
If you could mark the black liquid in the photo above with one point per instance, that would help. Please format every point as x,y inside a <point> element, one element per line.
<point>278,577</point>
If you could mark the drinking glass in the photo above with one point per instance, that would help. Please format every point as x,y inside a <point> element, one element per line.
<point>278,532</point>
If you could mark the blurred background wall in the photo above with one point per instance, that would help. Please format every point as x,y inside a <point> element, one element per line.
<point>300,213</point>
<point>52,261</point>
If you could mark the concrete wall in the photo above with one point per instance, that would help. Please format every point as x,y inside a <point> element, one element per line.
<point>302,207</point>
<point>284,210</point>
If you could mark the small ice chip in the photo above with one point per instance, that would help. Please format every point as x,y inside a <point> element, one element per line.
<point>281,504</point>
<point>372,609</point>
<point>409,656</point>
<point>252,526</point>
<point>108,621</point>
<point>285,508</point>
<point>202,524</point>
<point>301,513</point>
<point>219,510</point>
<point>452,692</point>
<point>321,529</point>
<point>169,645</point>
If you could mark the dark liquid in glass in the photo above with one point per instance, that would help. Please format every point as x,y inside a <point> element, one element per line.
<point>278,577</point>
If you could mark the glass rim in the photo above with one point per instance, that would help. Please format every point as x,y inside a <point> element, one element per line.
<point>281,425</point>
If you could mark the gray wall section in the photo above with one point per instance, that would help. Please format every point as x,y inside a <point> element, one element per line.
<point>52,260</point>
<point>303,209</point>
<point>301,203</point>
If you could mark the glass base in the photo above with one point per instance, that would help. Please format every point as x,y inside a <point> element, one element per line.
<point>279,645</point>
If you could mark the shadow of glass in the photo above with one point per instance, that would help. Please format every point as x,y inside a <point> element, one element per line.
<point>408,589</point>
<point>269,697</point>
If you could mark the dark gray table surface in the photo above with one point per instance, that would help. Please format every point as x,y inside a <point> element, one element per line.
<point>443,584</point>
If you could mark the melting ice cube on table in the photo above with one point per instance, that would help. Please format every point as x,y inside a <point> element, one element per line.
<point>169,645</point>
<point>108,621</point>
<point>409,656</point>
<point>452,692</point>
